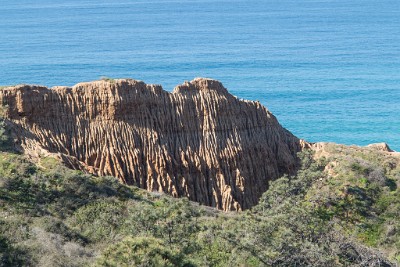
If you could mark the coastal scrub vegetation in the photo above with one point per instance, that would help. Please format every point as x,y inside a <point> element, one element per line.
<point>340,209</point>
<point>107,79</point>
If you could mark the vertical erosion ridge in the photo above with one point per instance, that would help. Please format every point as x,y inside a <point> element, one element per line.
<point>198,141</point>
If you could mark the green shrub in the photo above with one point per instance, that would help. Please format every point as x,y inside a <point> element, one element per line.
<point>107,79</point>
<point>11,256</point>
<point>142,251</point>
<point>99,220</point>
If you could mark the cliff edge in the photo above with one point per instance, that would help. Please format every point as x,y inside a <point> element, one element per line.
<point>198,141</point>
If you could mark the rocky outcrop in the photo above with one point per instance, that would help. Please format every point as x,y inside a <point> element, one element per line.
<point>198,141</point>
<point>381,147</point>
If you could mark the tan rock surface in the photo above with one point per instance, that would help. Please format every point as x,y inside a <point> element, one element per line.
<point>198,141</point>
<point>380,146</point>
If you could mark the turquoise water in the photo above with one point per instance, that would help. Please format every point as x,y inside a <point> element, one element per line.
<point>328,69</point>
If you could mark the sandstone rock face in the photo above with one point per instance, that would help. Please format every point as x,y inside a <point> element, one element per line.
<point>381,147</point>
<point>198,141</point>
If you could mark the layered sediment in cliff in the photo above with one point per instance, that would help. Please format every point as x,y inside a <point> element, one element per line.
<point>198,141</point>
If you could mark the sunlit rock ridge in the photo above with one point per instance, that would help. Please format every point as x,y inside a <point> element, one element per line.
<point>198,141</point>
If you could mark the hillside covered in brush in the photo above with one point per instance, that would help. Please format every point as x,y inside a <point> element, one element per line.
<point>340,209</point>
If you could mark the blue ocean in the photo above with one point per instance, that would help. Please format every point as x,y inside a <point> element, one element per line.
<point>328,69</point>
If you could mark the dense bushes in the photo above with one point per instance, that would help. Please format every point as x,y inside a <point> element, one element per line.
<point>53,216</point>
<point>142,251</point>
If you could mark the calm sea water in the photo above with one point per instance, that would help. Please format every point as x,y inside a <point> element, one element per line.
<point>328,69</point>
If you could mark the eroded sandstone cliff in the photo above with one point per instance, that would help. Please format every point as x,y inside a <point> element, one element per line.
<point>198,141</point>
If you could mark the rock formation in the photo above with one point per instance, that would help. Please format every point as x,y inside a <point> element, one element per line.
<point>198,141</point>
<point>381,147</point>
